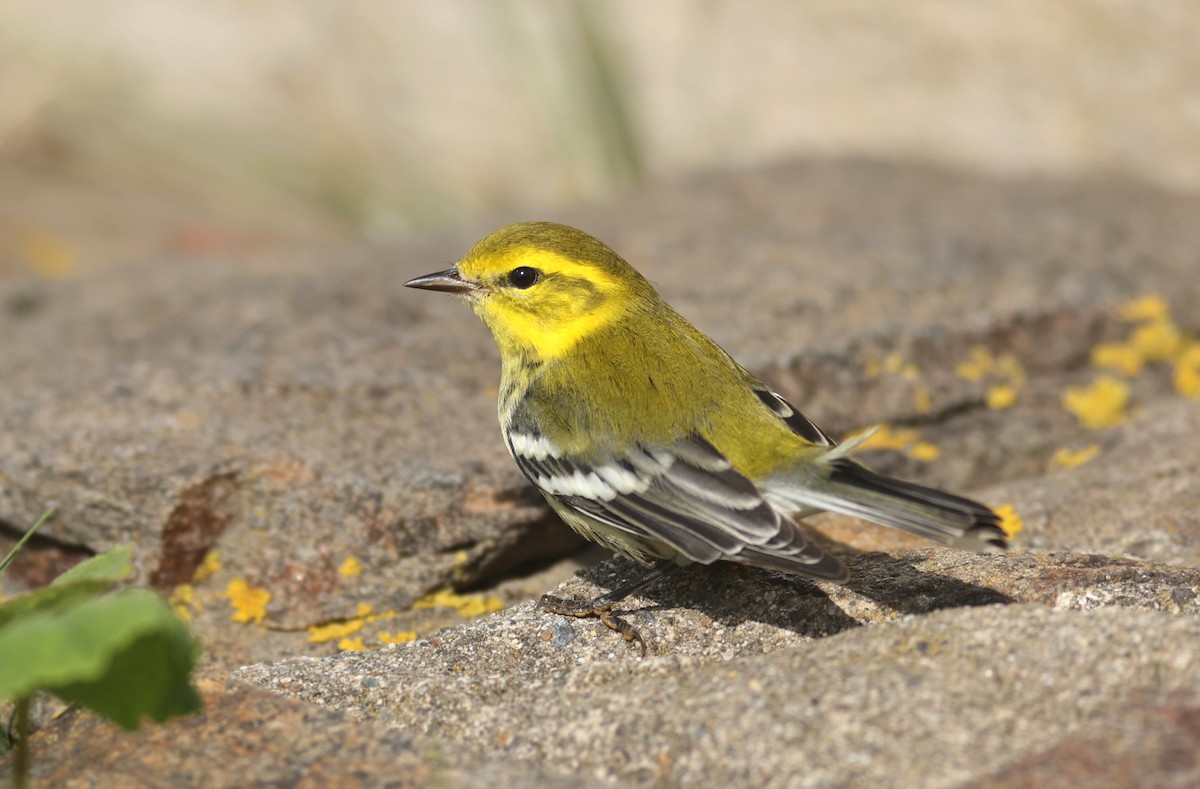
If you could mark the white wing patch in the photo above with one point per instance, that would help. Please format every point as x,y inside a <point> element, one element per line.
<point>534,447</point>
<point>580,483</point>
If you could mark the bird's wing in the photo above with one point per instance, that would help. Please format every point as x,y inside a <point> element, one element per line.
<point>686,495</point>
<point>796,421</point>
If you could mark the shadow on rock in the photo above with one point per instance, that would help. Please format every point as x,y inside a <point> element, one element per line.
<point>880,586</point>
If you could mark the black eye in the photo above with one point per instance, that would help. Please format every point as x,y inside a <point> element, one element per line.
<point>524,277</point>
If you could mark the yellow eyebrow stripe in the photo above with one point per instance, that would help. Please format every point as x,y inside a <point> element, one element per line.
<point>553,263</point>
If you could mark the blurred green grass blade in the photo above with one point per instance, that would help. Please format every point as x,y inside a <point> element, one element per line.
<point>25,538</point>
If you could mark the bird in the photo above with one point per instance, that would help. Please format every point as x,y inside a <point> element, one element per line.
<point>647,438</point>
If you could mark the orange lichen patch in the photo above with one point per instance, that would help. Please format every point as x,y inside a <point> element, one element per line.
<point>1187,371</point>
<point>319,634</point>
<point>469,606</point>
<point>352,644</point>
<point>1147,307</point>
<point>208,566</point>
<point>401,637</point>
<point>1070,458</point>
<point>350,568</point>
<point>904,440</point>
<point>1100,405</point>
<point>249,603</point>
<point>1001,396</point>
<point>1119,357</point>
<point>1010,521</point>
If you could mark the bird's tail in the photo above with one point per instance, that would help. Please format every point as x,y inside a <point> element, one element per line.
<point>851,489</point>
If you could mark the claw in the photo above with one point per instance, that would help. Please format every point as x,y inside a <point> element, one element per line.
<point>599,608</point>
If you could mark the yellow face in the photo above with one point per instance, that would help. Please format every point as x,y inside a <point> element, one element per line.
<point>537,300</point>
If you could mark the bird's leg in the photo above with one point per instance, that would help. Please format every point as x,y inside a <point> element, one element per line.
<point>601,607</point>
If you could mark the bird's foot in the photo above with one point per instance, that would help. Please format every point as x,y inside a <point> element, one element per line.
<point>599,607</point>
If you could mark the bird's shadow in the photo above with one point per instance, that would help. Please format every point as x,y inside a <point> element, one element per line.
<point>733,594</point>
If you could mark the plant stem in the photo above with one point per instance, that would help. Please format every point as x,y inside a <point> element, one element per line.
<point>21,756</point>
<point>25,538</point>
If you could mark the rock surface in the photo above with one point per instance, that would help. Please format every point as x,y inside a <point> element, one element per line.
<point>292,411</point>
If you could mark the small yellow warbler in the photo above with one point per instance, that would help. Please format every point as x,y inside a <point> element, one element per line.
<point>646,437</point>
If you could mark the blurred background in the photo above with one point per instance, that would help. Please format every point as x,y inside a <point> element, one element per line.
<point>137,128</point>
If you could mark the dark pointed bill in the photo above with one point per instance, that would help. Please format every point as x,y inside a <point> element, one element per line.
<point>448,281</point>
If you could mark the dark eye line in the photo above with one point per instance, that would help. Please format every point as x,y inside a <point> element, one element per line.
<point>523,277</point>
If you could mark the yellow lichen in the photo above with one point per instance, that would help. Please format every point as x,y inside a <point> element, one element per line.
<point>922,401</point>
<point>1070,458</point>
<point>904,440</point>
<point>352,644</point>
<point>49,255</point>
<point>183,600</point>
<point>1001,396</point>
<point>1147,307</point>
<point>208,567</point>
<point>885,437</point>
<point>1156,338</point>
<point>1010,521</point>
<point>1010,368</point>
<point>1157,341</point>
<point>1006,370</point>
<point>249,603</point>
<point>1119,357</point>
<point>1100,405</point>
<point>319,634</point>
<point>979,365</point>
<point>924,452</point>
<point>1187,371</point>
<point>350,568</point>
<point>401,637</point>
<point>469,606</point>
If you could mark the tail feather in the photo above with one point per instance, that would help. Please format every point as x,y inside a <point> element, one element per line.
<point>851,489</point>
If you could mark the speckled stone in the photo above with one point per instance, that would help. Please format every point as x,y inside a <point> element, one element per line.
<point>293,409</point>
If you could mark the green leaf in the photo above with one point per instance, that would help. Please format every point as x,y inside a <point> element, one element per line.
<point>86,579</point>
<point>49,599</point>
<point>124,655</point>
<point>111,566</point>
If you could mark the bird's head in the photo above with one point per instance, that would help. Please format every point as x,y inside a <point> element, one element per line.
<point>542,287</point>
